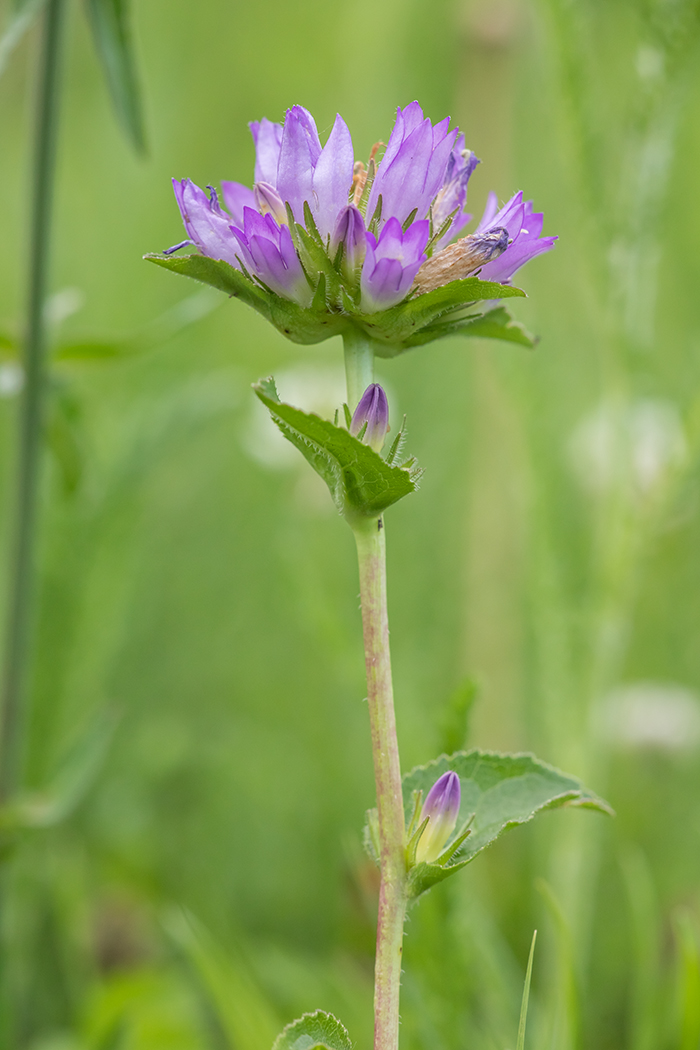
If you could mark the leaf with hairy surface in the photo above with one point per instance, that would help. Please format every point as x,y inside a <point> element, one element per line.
<point>315,1031</point>
<point>361,483</point>
<point>498,792</point>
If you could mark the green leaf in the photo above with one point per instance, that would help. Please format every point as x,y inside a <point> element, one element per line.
<point>315,261</point>
<point>413,322</point>
<point>218,274</point>
<point>361,483</point>
<point>298,324</point>
<point>397,326</point>
<point>111,29</point>
<point>498,792</point>
<point>22,18</point>
<point>312,1031</point>
<point>496,324</point>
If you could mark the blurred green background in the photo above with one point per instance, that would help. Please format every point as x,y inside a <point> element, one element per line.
<point>198,641</point>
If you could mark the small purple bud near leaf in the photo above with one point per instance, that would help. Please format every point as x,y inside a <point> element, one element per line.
<point>372,417</point>
<point>442,808</point>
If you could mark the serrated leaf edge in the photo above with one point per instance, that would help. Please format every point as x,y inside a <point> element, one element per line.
<point>592,801</point>
<point>410,469</point>
<point>312,1015</point>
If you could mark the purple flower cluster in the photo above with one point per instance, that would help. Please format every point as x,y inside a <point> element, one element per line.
<point>377,226</point>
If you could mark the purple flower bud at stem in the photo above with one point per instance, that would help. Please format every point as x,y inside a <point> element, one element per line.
<point>372,412</point>
<point>442,807</point>
<point>268,201</point>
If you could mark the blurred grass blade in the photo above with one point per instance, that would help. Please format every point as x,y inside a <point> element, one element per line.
<point>187,312</point>
<point>22,17</point>
<point>244,1013</point>
<point>688,980</point>
<point>568,1013</point>
<point>63,433</point>
<point>83,762</point>
<point>112,31</point>
<point>454,723</point>
<point>75,775</point>
<point>646,1019</point>
<point>526,996</point>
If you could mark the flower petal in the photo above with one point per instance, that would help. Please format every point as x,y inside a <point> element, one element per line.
<point>267,137</point>
<point>413,167</point>
<point>207,226</point>
<point>236,198</point>
<point>332,178</point>
<point>391,263</point>
<point>519,253</point>
<point>299,154</point>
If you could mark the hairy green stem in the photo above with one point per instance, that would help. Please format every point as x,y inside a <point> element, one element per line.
<point>30,417</point>
<point>359,364</point>
<point>371,552</point>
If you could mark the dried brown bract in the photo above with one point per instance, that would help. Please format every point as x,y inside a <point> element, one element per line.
<point>460,259</point>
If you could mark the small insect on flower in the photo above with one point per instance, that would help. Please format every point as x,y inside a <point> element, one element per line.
<point>441,809</point>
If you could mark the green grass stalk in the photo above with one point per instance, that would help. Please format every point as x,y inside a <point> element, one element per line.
<point>22,567</point>
<point>520,1045</point>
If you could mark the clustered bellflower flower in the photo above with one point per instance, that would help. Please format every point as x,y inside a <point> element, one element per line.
<point>324,245</point>
<point>345,242</point>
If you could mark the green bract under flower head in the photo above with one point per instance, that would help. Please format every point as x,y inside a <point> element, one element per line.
<point>322,242</point>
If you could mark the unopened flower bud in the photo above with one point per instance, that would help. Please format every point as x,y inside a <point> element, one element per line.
<point>372,417</point>
<point>268,200</point>
<point>350,233</point>
<point>442,808</point>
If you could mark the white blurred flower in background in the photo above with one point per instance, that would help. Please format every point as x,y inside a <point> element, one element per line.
<point>11,378</point>
<point>63,304</point>
<point>315,388</point>
<point>639,444</point>
<point>663,716</point>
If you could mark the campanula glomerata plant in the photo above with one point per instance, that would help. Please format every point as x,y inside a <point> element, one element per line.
<point>322,245</point>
